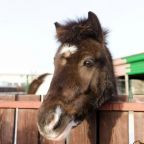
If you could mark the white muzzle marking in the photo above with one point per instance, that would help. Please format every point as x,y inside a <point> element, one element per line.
<point>55,120</point>
<point>66,132</point>
<point>53,135</point>
<point>56,137</point>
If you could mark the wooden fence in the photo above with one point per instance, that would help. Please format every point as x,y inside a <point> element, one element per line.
<point>118,122</point>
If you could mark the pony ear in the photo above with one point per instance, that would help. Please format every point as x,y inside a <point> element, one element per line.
<point>59,29</point>
<point>57,25</point>
<point>94,22</point>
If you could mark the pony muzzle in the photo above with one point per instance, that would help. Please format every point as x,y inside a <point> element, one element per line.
<point>56,125</point>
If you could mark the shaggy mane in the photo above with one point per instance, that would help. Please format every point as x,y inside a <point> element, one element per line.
<point>75,31</point>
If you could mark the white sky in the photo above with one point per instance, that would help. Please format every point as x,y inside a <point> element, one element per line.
<point>27,32</point>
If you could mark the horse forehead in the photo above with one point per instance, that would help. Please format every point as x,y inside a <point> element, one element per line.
<point>68,50</point>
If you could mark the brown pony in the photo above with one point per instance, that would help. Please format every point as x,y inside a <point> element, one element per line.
<point>83,78</point>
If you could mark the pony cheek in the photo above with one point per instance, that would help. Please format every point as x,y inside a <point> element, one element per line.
<point>86,76</point>
<point>94,83</point>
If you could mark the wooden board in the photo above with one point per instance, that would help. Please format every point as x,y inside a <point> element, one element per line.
<point>85,133</point>
<point>113,128</point>
<point>44,141</point>
<point>27,132</point>
<point>27,129</point>
<point>139,126</point>
<point>6,123</point>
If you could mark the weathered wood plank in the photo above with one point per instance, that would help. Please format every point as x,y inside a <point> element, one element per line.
<point>139,126</point>
<point>127,106</point>
<point>85,133</point>
<point>20,104</point>
<point>44,141</point>
<point>113,128</point>
<point>27,129</point>
<point>27,132</point>
<point>6,123</point>
<point>115,106</point>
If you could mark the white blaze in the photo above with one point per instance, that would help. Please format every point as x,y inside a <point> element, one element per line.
<point>71,49</point>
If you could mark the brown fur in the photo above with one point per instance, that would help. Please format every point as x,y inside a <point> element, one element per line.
<point>87,79</point>
<point>73,32</point>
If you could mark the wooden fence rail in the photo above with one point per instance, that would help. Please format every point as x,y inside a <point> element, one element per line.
<point>114,106</point>
<point>113,123</point>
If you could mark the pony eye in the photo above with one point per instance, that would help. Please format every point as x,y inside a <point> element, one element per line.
<point>89,63</point>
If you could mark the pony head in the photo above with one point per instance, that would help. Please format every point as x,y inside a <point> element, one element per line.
<point>83,78</point>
